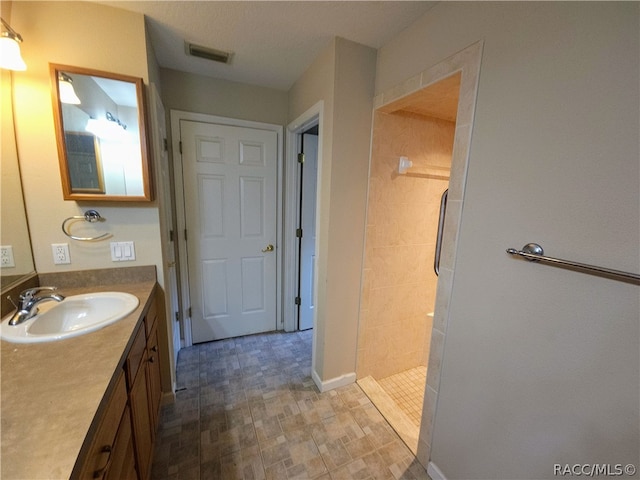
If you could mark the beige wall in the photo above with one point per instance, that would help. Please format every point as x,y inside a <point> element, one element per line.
<point>14,225</point>
<point>342,77</point>
<point>92,36</point>
<point>13,228</point>
<point>399,284</point>
<point>353,104</point>
<point>317,84</point>
<point>541,365</point>
<point>102,38</point>
<point>153,68</point>
<point>200,94</point>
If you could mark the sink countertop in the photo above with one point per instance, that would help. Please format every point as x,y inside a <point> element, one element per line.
<point>51,392</point>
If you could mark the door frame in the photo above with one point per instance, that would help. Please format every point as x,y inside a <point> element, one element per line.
<point>176,117</point>
<point>312,116</point>
<point>468,61</point>
<point>163,178</point>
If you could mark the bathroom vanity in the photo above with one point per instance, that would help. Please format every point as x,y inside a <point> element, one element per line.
<point>85,407</point>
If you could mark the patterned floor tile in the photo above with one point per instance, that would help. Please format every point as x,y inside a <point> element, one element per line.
<point>247,409</point>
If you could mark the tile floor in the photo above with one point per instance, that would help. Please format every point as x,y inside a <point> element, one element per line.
<point>407,390</point>
<point>246,408</point>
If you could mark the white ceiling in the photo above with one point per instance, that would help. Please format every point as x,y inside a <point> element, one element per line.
<point>273,42</point>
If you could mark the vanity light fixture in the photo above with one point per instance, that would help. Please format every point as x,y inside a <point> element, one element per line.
<point>67,93</point>
<point>10,57</point>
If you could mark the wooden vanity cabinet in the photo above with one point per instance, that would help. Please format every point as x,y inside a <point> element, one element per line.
<point>110,455</point>
<point>123,465</point>
<point>143,367</point>
<point>122,446</point>
<point>139,403</point>
<point>153,379</point>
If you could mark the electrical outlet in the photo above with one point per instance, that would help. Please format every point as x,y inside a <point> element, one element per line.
<point>60,253</point>
<point>6,257</point>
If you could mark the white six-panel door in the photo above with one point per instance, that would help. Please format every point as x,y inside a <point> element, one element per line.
<point>230,190</point>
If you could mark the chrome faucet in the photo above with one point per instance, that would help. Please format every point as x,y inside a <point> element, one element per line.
<point>27,306</point>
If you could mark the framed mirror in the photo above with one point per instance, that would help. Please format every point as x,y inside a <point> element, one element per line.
<point>101,130</point>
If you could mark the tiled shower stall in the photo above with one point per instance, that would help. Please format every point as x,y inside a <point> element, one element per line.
<point>399,282</point>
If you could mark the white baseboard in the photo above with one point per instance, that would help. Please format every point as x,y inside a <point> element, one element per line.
<point>341,381</point>
<point>434,472</point>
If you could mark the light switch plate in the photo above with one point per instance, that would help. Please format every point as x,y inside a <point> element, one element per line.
<point>123,251</point>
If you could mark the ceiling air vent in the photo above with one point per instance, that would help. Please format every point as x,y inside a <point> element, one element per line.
<point>208,53</point>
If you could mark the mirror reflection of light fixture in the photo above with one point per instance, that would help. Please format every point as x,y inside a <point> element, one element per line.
<point>67,93</point>
<point>111,118</point>
<point>10,57</point>
<point>109,128</point>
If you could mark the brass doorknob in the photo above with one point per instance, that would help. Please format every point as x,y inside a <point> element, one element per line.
<point>270,248</point>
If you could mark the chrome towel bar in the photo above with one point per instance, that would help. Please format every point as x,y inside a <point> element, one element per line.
<point>534,253</point>
<point>90,216</point>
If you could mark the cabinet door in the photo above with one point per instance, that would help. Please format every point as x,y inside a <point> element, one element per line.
<point>136,356</point>
<point>100,455</point>
<point>141,421</point>
<point>154,386</point>
<point>151,317</point>
<point>123,462</point>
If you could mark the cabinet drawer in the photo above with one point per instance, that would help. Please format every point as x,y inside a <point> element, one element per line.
<point>100,453</point>
<point>136,354</point>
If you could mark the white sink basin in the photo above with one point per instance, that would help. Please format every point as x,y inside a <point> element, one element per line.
<point>75,315</point>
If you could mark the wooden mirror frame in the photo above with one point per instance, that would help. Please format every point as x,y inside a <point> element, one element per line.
<point>67,191</point>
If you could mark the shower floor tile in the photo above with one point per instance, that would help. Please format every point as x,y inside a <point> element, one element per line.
<point>407,390</point>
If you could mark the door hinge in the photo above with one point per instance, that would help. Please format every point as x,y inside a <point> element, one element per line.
<point>189,312</point>
<point>171,235</point>
<point>301,158</point>
<point>185,234</point>
<point>298,301</point>
<point>165,144</point>
<point>180,146</point>
<point>177,316</point>
<point>298,232</point>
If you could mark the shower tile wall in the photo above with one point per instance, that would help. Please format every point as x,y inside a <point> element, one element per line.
<point>398,280</point>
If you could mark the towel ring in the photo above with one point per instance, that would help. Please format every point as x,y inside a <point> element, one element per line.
<point>90,216</point>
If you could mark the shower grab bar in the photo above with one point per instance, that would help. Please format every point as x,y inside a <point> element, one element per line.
<point>443,212</point>
<point>534,253</point>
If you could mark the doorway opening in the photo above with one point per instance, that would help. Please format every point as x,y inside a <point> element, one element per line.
<point>412,148</point>
<point>310,126</point>
<point>302,189</point>
<point>413,97</point>
<point>306,231</point>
